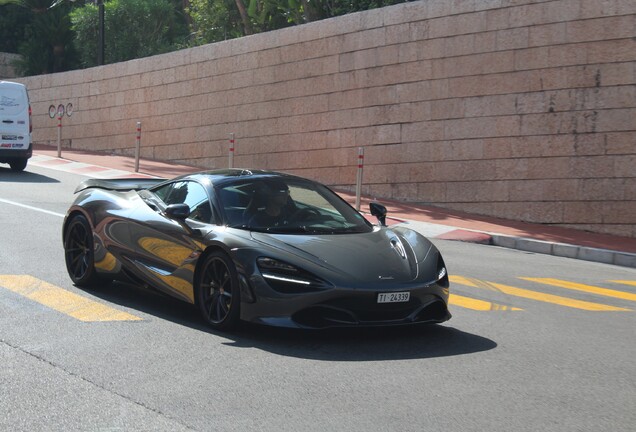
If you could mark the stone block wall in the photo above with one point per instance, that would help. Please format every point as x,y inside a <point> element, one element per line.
<point>522,109</point>
<point>7,70</point>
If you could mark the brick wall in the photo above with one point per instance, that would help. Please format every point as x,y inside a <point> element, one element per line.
<point>7,70</point>
<point>523,109</point>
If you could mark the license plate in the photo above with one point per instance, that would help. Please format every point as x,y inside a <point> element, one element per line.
<point>395,297</point>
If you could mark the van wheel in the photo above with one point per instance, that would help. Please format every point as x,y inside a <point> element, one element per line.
<point>18,164</point>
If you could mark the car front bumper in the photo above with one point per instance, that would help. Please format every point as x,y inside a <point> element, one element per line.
<point>349,307</point>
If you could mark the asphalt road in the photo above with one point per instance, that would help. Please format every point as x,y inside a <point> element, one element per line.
<point>518,354</point>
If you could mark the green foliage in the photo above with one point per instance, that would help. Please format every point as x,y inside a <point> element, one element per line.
<point>269,15</point>
<point>215,20</point>
<point>48,46</point>
<point>133,29</point>
<point>14,21</point>
<point>85,23</point>
<point>52,35</point>
<point>314,10</point>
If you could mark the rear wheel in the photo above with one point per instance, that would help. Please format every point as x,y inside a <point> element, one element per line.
<point>217,291</point>
<point>18,164</point>
<point>79,252</point>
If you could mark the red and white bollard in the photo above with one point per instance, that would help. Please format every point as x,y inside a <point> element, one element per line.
<point>359,179</point>
<point>59,135</point>
<point>231,155</point>
<point>138,147</point>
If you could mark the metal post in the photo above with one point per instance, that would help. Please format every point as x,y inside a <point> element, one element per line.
<point>138,147</point>
<point>359,179</point>
<point>231,156</point>
<point>101,41</point>
<point>59,135</point>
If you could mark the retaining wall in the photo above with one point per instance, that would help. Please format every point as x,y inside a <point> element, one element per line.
<point>522,109</point>
<point>7,70</point>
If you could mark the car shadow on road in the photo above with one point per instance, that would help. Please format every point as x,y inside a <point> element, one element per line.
<point>363,344</point>
<point>7,175</point>
<point>344,344</point>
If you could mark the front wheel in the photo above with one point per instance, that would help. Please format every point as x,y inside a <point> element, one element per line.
<point>79,252</point>
<point>217,291</point>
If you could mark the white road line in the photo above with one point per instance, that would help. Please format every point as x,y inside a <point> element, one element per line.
<point>31,207</point>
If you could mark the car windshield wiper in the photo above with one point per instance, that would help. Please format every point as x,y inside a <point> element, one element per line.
<point>350,230</point>
<point>272,230</point>
<point>332,230</point>
<point>239,226</point>
<point>286,229</point>
<point>302,229</point>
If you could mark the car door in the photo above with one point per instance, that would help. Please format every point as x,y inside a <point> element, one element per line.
<point>167,249</point>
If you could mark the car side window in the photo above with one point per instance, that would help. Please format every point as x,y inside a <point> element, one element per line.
<point>190,193</point>
<point>163,192</point>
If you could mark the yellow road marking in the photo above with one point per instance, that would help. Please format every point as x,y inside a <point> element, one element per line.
<point>625,282</point>
<point>585,288</point>
<point>534,295</point>
<point>61,300</point>
<point>479,305</point>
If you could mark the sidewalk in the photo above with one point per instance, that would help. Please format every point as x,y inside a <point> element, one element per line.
<point>434,222</point>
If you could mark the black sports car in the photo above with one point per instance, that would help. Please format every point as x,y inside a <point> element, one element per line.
<point>257,246</point>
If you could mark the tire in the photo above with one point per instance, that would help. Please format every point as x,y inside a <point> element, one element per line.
<point>217,291</point>
<point>79,252</point>
<point>18,164</point>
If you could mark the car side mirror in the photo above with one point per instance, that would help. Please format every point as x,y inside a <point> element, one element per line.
<point>379,211</point>
<point>178,212</point>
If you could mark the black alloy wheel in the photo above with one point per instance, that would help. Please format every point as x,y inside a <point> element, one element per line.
<point>79,252</point>
<point>218,293</point>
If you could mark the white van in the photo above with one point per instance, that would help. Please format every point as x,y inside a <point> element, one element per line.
<point>15,125</point>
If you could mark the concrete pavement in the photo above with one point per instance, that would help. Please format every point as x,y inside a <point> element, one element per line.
<point>434,222</point>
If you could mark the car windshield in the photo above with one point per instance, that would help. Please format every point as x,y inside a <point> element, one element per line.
<point>288,206</point>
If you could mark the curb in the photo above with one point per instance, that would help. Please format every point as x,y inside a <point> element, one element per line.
<point>565,250</point>
<point>584,253</point>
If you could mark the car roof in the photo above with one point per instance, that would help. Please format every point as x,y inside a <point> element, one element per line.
<point>228,176</point>
<point>12,84</point>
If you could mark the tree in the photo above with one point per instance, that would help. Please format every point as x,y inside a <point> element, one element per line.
<point>215,20</point>
<point>14,21</point>
<point>139,28</point>
<point>47,46</point>
<point>35,6</point>
<point>133,29</point>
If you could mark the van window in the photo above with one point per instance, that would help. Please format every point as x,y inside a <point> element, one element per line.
<point>13,101</point>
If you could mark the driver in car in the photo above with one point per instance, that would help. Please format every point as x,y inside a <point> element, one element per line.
<point>277,209</point>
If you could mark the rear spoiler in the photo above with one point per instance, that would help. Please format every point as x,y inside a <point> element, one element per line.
<point>124,184</point>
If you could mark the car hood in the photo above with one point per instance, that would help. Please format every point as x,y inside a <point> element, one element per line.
<point>383,254</point>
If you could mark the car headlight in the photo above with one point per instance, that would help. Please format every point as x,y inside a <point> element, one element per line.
<point>286,278</point>
<point>442,273</point>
